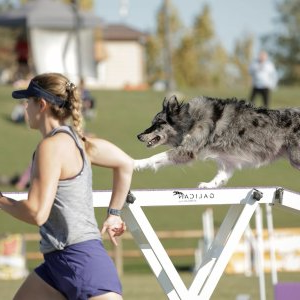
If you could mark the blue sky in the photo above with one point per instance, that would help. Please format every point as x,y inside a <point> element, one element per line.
<point>232,18</point>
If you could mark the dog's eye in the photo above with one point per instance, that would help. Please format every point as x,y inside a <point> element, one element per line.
<point>159,122</point>
<point>162,122</point>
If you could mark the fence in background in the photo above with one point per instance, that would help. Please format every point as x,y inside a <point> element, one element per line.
<point>287,244</point>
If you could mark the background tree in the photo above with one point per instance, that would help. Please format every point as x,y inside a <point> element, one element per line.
<point>241,59</point>
<point>8,38</point>
<point>220,61</point>
<point>83,4</point>
<point>204,34</point>
<point>185,63</point>
<point>154,62</point>
<point>200,59</point>
<point>168,31</point>
<point>284,43</point>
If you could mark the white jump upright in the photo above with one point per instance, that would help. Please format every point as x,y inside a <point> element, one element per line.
<point>243,203</point>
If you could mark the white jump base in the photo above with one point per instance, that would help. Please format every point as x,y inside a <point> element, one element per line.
<point>243,203</point>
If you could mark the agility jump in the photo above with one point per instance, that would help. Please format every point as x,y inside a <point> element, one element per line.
<point>243,203</point>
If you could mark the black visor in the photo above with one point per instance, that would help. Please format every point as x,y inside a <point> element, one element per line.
<point>34,90</point>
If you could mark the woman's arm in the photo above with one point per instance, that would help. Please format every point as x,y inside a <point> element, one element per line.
<point>45,175</point>
<point>105,154</point>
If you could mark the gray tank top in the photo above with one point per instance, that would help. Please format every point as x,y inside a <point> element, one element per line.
<point>72,218</point>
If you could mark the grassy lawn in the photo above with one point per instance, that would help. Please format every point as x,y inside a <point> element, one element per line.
<point>120,117</point>
<point>146,287</point>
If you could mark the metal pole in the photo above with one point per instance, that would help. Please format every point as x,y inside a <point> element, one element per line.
<point>260,253</point>
<point>272,244</point>
<point>77,26</point>
<point>170,83</point>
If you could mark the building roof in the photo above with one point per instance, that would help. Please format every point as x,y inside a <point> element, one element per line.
<point>47,14</point>
<point>121,32</point>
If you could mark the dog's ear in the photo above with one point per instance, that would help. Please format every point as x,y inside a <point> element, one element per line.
<point>165,104</point>
<point>173,105</point>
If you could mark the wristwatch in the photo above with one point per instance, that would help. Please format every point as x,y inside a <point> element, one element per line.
<point>112,211</point>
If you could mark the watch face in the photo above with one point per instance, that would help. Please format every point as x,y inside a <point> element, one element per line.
<point>115,212</point>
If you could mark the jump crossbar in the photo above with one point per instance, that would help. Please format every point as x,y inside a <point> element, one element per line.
<point>184,197</point>
<point>243,203</point>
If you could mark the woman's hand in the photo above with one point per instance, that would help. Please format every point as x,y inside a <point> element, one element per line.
<point>114,226</point>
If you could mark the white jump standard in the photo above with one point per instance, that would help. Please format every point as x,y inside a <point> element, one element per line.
<point>243,201</point>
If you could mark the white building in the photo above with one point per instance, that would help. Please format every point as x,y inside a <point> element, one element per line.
<point>121,61</point>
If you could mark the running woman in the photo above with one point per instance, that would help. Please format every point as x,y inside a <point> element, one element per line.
<point>76,266</point>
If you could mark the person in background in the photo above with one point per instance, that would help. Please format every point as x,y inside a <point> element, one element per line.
<point>264,78</point>
<point>88,102</point>
<point>18,113</point>
<point>18,181</point>
<point>22,53</point>
<point>60,198</point>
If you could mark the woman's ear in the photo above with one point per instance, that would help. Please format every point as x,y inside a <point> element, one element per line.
<point>43,104</point>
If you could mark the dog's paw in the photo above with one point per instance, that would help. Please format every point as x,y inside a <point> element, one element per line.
<point>154,162</point>
<point>203,185</point>
<point>207,185</point>
<point>139,164</point>
<point>142,164</point>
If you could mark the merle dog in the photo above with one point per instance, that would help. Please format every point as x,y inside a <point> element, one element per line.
<point>233,133</point>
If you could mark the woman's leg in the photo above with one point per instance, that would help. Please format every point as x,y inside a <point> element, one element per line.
<point>107,296</point>
<point>265,95</point>
<point>35,288</point>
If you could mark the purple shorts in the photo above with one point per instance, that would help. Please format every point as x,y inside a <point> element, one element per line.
<point>80,271</point>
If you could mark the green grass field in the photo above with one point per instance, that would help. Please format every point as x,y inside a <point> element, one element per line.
<point>145,287</point>
<point>120,117</point>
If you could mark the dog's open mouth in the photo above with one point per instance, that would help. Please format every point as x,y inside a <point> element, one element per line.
<point>153,141</point>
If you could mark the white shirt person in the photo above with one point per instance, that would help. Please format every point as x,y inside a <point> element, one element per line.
<point>264,78</point>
